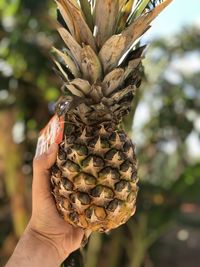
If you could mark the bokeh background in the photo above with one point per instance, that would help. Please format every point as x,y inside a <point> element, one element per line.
<point>165,231</point>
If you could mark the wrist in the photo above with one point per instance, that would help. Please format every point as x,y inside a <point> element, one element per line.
<point>34,250</point>
<point>53,244</point>
<point>45,246</point>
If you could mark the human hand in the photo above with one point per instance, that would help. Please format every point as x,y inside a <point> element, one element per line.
<point>46,223</point>
<point>48,239</point>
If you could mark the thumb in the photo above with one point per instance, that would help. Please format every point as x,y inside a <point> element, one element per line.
<point>41,167</point>
<point>45,161</point>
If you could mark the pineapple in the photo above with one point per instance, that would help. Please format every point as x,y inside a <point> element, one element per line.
<point>95,177</point>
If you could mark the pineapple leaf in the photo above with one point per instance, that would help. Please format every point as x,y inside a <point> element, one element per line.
<point>64,11</point>
<point>74,2</point>
<point>86,8</point>
<point>90,65</point>
<point>105,14</point>
<point>153,3</point>
<point>113,81</point>
<point>122,3</point>
<point>133,54</point>
<point>83,85</point>
<point>132,65</point>
<point>141,6</point>
<point>115,47</point>
<point>62,72</point>
<point>111,52</point>
<point>121,94</point>
<point>82,31</point>
<point>73,90</point>
<point>124,14</point>
<point>60,19</point>
<point>71,43</point>
<point>139,9</point>
<point>68,61</point>
<point>142,23</point>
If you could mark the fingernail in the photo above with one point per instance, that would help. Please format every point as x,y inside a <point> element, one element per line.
<point>51,149</point>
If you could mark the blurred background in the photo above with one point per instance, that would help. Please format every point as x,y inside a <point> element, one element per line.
<point>165,231</point>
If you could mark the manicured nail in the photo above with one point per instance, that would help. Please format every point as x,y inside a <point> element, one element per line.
<point>51,149</point>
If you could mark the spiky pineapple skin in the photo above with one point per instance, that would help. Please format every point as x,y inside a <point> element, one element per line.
<point>95,177</point>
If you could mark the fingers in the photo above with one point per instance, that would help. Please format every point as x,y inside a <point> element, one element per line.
<point>41,167</point>
<point>44,162</point>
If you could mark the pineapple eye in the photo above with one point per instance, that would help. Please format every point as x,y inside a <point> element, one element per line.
<point>121,155</point>
<point>62,154</point>
<point>88,213</point>
<point>55,171</point>
<point>110,154</point>
<point>100,213</point>
<point>69,128</point>
<point>68,185</point>
<point>83,180</point>
<point>80,149</point>
<point>109,171</point>
<point>125,166</point>
<point>90,180</point>
<point>93,142</point>
<point>134,177</point>
<point>127,146</point>
<point>96,192</point>
<point>74,217</point>
<point>105,143</point>
<point>94,160</point>
<point>113,136</point>
<point>98,162</point>
<point>71,139</point>
<point>122,185</point>
<point>102,191</point>
<point>115,174</point>
<point>122,137</point>
<point>84,198</point>
<point>112,206</point>
<point>73,198</point>
<point>71,166</point>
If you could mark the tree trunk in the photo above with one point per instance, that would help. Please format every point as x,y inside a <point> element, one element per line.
<point>14,180</point>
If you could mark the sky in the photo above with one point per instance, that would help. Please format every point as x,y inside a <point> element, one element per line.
<point>178,14</point>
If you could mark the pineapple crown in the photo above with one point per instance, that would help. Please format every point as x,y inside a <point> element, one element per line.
<point>100,66</point>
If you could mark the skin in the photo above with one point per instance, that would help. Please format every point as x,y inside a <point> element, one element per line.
<point>48,240</point>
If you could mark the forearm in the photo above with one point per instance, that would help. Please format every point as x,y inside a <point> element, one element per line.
<point>34,250</point>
